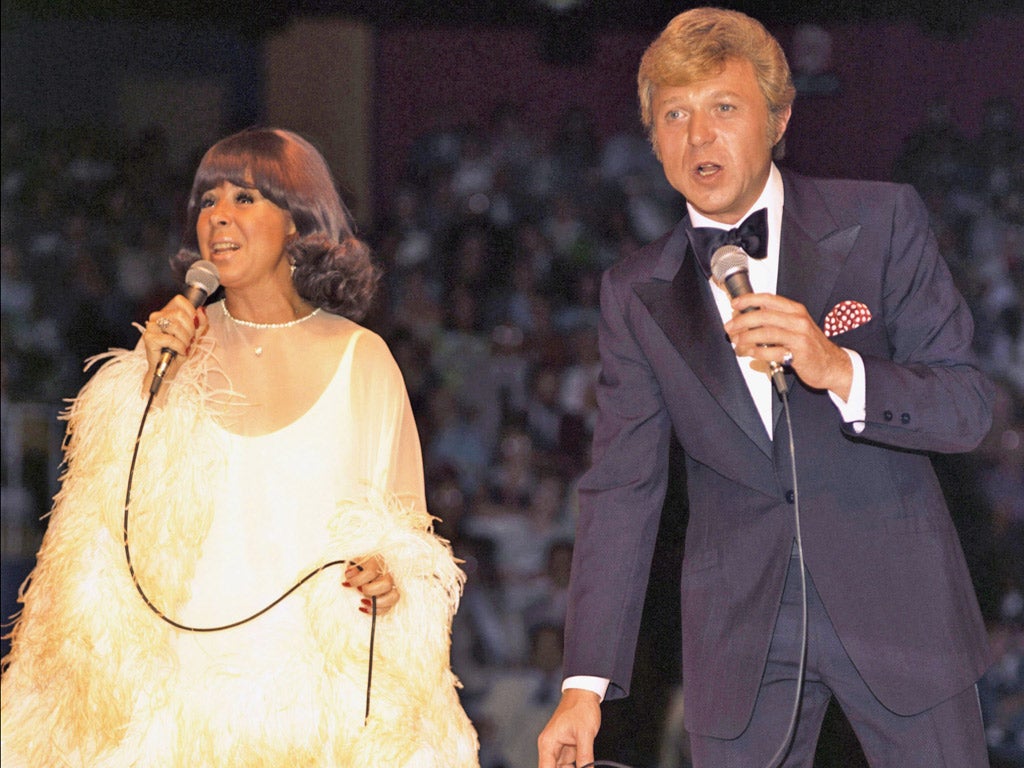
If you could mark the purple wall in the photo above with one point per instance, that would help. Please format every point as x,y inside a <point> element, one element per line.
<point>888,73</point>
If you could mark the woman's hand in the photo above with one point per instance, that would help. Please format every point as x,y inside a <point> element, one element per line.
<point>175,326</point>
<point>370,576</point>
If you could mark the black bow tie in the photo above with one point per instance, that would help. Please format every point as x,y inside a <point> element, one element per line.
<point>751,235</point>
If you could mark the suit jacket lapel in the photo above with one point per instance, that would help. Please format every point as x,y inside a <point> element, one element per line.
<point>814,247</point>
<point>680,302</point>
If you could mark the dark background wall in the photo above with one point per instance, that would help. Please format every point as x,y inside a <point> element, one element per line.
<point>202,77</point>
<point>887,74</point>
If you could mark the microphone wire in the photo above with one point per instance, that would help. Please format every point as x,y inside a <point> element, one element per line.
<point>787,741</point>
<point>247,619</point>
<point>729,270</point>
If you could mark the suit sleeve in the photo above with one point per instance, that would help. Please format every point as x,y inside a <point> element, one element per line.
<point>621,497</point>
<point>929,393</point>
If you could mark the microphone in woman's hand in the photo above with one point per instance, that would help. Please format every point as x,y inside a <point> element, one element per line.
<point>201,280</point>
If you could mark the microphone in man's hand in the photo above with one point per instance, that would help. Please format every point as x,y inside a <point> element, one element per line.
<point>201,280</point>
<point>729,268</point>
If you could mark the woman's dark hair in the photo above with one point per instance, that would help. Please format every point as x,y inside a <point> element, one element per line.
<point>333,268</point>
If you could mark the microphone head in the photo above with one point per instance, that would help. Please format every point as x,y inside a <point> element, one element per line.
<point>203,275</point>
<point>728,260</point>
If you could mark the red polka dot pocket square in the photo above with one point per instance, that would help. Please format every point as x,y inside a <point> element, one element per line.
<point>845,316</point>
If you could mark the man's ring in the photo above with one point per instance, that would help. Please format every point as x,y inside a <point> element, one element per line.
<point>787,359</point>
<point>163,324</point>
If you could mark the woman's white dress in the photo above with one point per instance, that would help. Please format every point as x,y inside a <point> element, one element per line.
<point>220,525</point>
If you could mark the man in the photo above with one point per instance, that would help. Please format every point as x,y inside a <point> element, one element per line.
<point>858,313</point>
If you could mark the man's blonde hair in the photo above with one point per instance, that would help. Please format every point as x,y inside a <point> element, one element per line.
<point>697,43</point>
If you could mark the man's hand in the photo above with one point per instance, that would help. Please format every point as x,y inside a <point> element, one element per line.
<point>779,326</point>
<point>568,738</point>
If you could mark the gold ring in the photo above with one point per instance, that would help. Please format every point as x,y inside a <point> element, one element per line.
<point>163,324</point>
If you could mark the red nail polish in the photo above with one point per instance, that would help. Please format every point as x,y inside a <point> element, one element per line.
<point>345,584</point>
<point>195,320</point>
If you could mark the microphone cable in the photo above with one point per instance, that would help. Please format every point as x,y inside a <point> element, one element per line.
<point>729,270</point>
<point>787,740</point>
<point>257,614</point>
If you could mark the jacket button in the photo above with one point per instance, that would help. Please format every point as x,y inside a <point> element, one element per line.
<point>904,418</point>
<point>790,496</point>
<point>887,415</point>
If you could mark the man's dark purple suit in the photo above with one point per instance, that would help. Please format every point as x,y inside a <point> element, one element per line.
<point>877,535</point>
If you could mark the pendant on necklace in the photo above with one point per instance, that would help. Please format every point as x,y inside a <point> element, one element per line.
<point>258,351</point>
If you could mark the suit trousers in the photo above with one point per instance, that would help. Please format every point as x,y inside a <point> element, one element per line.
<point>948,735</point>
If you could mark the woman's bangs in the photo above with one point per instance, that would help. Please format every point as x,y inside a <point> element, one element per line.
<point>255,167</point>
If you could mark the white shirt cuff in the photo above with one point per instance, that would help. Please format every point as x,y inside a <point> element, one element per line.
<point>854,409</point>
<point>598,685</point>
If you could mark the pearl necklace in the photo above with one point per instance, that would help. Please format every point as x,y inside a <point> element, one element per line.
<point>258,350</point>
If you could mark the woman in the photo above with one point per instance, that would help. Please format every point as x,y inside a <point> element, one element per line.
<point>281,441</point>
